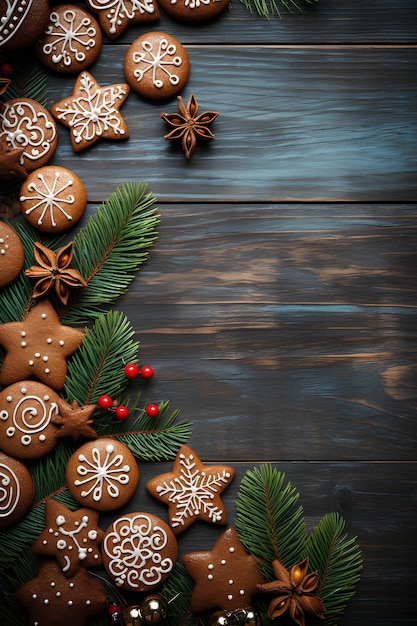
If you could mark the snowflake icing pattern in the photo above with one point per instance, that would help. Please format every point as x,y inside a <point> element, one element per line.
<point>102,474</point>
<point>119,10</point>
<point>158,62</point>
<point>94,112</point>
<point>69,38</point>
<point>49,197</point>
<point>193,491</point>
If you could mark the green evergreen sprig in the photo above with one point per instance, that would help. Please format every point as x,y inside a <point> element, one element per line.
<point>269,8</point>
<point>177,592</point>
<point>29,78</point>
<point>338,560</point>
<point>111,249</point>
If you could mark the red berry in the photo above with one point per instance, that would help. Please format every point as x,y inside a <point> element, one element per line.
<point>146,371</point>
<point>122,412</point>
<point>105,402</point>
<point>152,410</point>
<point>131,370</point>
<point>6,69</point>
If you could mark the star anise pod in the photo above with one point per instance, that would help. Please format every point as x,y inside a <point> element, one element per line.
<point>293,592</point>
<point>53,271</point>
<point>188,126</point>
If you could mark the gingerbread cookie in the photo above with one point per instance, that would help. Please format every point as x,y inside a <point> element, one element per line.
<point>52,599</point>
<point>38,346</point>
<point>12,255</point>
<point>193,10</point>
<point>139,551</point>
<point>116,15</point>
<point>71,41</point>
<point>156,65</point>
<point>72,537</point>
<point>192,490</point>
<point>92,112</point>
<point>225,577</point>
<point>102,474</point>
<point>22,22</point>
<point>52,199</point>
<point>27,409</point>
<point>24,123</point>
<point>16,490</point>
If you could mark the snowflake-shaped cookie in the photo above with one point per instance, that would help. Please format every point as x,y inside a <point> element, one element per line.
<point>92,112</point>
<point>115,15</point>
<point>192,490</point>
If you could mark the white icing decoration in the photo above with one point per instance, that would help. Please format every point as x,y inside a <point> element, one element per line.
<point>159,62</point>
<point>93,112</point>
<point>67,36</point>
<point>16,10</point>
<point>101,475</point>
<point>120,10</point>
<point>134,548</point>
<point>30,416</point>
<point>192,490</point>
<point>51,197</point>
<point>28,128</point>
<point>9,491</point>
<point>195,4</point>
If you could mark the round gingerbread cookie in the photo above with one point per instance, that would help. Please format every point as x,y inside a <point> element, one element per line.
<point>24,123</point>
<point>27,409</point>
<point>52,199</point>
<point>193,10</point>
<point>102,474</point>
<point>139,551</point>
<point>156,65</point>
<point>16,490</point>
<point>22,22</point>
<point>71,41</point>
<point>12,255</point>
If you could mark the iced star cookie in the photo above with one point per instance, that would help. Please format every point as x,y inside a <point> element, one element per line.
<point>192,490</point>
<point>22,22</point>
<point>72,537</point>
<point>139,551</point>
<point>156,65</point>
<point>71,41</point>
<point>12,255</point>
<point>193,10</point>
<point>16,490</point>
<point>38,346</point>
<point>52,599</point>
<point>52,199</point>
<point>102,474</point>
<point>116,15</point>
<point>27,410</point>
<point>92,112</point>
<point>225,577</point>
<point>24,123</point>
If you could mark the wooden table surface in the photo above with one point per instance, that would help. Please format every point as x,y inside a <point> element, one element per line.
<point>278,306</point>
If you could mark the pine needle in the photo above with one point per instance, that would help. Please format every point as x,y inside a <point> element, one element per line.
<point>177,592</point>
<point>338,560</point>
<point>268,8</point>
<point>112,247</point>
<point>269,521</point>
<point>29,79</point>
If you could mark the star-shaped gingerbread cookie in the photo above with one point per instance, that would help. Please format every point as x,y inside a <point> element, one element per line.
<point>38,346</point>
<point>92,112</point>
<point>192,490</point>
<point>225,577</point>
<point>52,599</point>
<point>72,537</point>
<point>74,420</point>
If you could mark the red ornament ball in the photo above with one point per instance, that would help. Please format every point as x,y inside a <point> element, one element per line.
<point>152,410</point>
<point>105,402</point>
<point>6,69</point>
<point>122,412</point>
<point>146,371</point>
<point>131,370</point>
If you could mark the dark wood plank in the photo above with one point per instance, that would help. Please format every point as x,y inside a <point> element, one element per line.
<point>323,124</point>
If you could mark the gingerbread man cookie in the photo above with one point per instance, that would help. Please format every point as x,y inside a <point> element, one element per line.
<point>72,537</point>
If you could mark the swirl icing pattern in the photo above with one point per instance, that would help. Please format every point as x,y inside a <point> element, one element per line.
<point>9,490</point>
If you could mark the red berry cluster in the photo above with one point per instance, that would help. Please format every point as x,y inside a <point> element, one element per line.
<point>6,68</point>
<point>121,411</point>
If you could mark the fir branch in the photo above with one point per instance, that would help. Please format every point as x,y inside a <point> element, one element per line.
<point>97,367</point>
<point>29,78</point>
<point>112,247</point>
<point>268,8</point>
<point>269,522</point>
<point>177,592</point>
<point>338,560</point>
